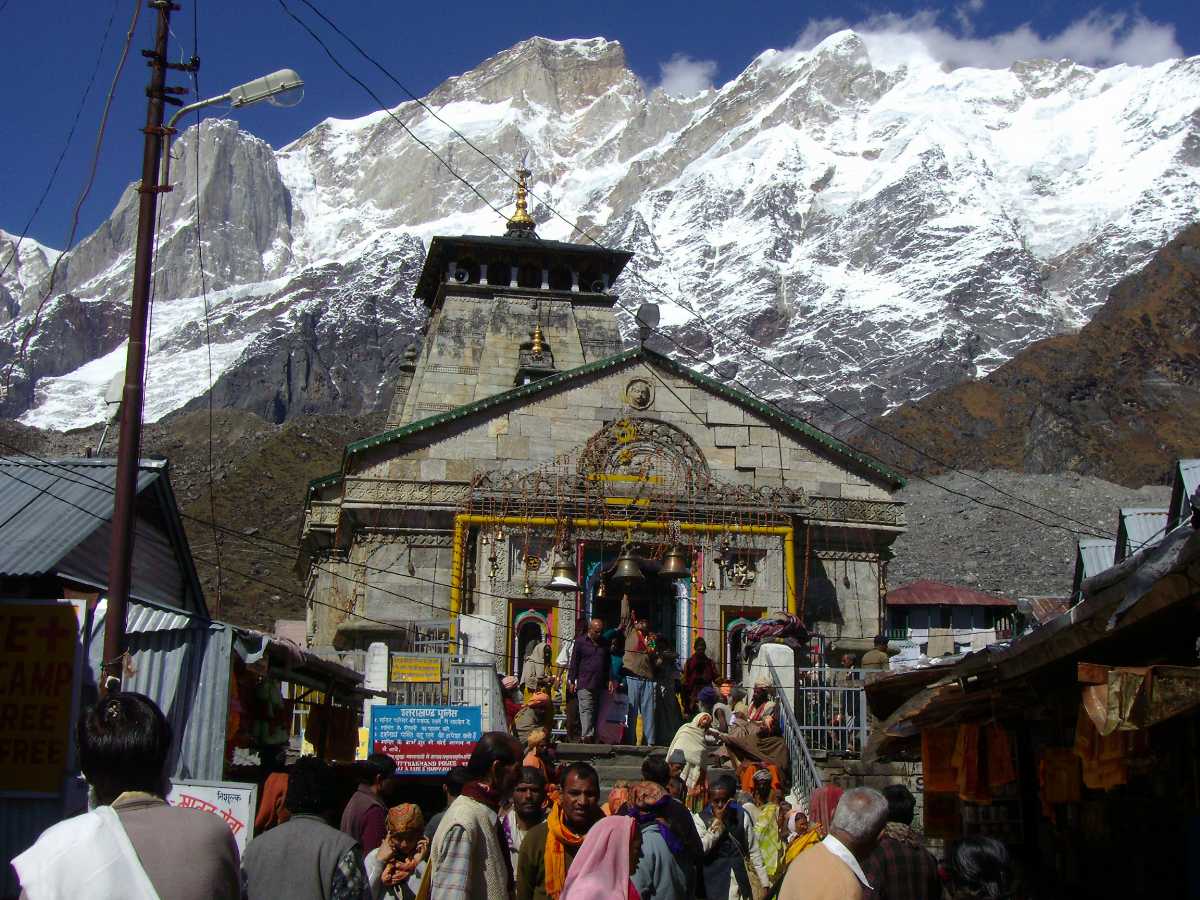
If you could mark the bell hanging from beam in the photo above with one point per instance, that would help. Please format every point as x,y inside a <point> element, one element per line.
<point>562,576</point>
<point>628,569</point>
<point>674,564</point>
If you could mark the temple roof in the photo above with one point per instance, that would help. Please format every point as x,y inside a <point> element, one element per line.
<point>529,392</point>
<point>520,250</point>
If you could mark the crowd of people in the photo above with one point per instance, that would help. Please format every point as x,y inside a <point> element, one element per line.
<point>508,831</point>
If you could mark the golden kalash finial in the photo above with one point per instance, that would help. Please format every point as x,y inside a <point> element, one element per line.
<point>538,344</point>
<point>521,222</point>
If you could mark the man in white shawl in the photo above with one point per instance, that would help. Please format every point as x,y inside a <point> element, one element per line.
<point>690,741</point>
<point>132,845</point>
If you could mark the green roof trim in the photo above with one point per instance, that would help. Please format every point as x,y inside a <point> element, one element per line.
<point>519,393</point>
<point>542,385</point>
<point>773,413</point>
<point>324,481</point>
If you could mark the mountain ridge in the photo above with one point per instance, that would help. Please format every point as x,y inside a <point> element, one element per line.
<point>1118,400</point>
<point>880,229</point>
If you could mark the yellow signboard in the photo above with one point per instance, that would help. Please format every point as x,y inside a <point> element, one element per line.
<point>416,669</point>
<point>38,658</point>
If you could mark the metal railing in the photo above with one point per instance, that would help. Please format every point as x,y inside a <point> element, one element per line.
<point>831,710</point>
<point>478,684</point>
<point>806,777</point>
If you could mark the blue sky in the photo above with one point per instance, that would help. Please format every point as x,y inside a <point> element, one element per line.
<point>681,45</point>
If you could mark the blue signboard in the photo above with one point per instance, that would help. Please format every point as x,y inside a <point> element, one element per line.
<point>426,740</point>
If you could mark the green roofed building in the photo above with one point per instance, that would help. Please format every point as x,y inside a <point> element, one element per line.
<point>527,449</point>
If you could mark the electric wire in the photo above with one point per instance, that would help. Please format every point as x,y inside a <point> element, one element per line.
<point>212,503</point>
<point>712,330</point>
<point>384,107</point>
<point>70,136</point>
<point>260,541</point>
<point>35,321</point>
<point>1090,530</point>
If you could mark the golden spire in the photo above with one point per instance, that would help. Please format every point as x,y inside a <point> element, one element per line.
<point>538,341</point>
<point>521,222</point>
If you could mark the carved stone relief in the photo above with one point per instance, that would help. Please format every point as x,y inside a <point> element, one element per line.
<point>639,393</point>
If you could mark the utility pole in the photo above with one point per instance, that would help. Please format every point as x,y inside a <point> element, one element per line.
<point>120,559</point>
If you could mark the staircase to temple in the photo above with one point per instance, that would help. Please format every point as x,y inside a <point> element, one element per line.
<point>613,762</point>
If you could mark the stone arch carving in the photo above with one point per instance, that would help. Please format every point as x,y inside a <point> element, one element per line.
<point>645,447</point>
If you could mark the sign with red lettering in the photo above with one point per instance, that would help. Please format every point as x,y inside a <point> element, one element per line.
<point>39,668</point>
<point>234,802</point>
<point>425,740</point>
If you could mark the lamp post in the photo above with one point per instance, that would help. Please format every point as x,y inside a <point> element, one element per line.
<point>282,88</point>
<point>155,149</point>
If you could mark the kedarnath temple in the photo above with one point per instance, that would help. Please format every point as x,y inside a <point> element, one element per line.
<point>533,471</point>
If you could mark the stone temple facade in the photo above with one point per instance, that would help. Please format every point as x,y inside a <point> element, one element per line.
<point>522,434</point>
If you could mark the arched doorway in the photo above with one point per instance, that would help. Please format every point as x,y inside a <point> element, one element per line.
<point>734,622</point>
<point>530,626</point>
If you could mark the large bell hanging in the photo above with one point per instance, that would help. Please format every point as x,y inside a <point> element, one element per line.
<point>628,569</point>
<point>562,577</point>
<point>674,564</point>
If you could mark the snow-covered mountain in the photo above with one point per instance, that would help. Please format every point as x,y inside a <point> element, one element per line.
<point>877,223</point>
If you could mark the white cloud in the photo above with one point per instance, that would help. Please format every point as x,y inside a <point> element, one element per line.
<point>964,14</point>
<point>1097,39</point>
<point>683,76</point>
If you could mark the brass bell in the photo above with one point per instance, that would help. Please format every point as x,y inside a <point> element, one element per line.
<point>486,539</point>
<point>562,577</point>
<point>528,591</point>
<point>712,584</point>
<point>600,591</point>
<point>628,570</point>
<point>674,565</point>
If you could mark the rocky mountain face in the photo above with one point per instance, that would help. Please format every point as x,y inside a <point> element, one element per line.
<point>881,228</point>
<point>1120,399</point>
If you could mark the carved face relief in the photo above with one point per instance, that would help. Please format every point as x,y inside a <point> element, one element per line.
<point>639,393</point>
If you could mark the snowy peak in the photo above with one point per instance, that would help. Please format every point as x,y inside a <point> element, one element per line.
<point>873,221</point>
<point>26,264</point>
<point>560,76</point>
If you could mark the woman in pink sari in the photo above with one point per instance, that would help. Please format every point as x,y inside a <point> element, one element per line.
<point>605,861</point>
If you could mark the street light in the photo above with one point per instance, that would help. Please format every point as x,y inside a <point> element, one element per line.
<point>283,88</point>
<point>156,158</point>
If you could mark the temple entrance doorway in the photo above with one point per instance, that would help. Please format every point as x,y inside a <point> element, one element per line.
<point>663,602</point>
<point>529,627</point>
<point>734,622</point>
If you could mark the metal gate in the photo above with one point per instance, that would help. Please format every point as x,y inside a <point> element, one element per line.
<point>831,710</point>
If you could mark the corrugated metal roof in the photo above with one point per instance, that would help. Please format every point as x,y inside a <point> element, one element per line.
<point>1043,609</point>
<point>47,507</point>
<point>141,618</point>
<point>1189,474</point>
<point>187,672</point>
<point>182,663</point>
<point>1097,554</point>
<point>1140,527</point>
<point>1184,487</point>
<point>936,593</point>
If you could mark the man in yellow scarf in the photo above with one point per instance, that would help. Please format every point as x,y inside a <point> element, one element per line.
<point>549,848</point>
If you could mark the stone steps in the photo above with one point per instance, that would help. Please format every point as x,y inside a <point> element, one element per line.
<point>613,762</point>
